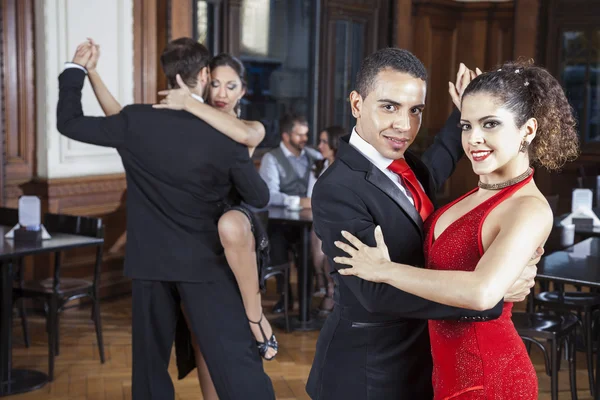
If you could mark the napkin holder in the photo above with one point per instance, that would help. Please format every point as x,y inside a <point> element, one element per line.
<point>23,235</point>
<point>583,223</point>
<point>582,217</point>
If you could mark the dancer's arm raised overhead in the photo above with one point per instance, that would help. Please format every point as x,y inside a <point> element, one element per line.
<point>107,101</point>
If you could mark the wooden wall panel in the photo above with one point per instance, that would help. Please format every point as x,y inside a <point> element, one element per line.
<point>446,33</point>
<point>146,51</point>
<point>18,91</point>
<point>232,34</point>
<point>526,18</point>
<point>181,19</point>
<point>403,34</point>
<point>443,45</point>
<point>2,101</point>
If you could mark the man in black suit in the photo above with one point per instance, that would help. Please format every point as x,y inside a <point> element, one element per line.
<point>179,173</point>
<point>375,344</point>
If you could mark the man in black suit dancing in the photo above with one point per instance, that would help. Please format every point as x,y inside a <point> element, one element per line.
<point>375,344</point>
<point>179,172</point>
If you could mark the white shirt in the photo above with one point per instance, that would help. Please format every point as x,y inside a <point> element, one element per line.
<point>381,162</point>
<point>312,179</point>
<point>199,98</point>
<point>271,172</point>
<point>74,65</point>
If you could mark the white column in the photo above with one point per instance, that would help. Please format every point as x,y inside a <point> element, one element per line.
<point>60,26</point>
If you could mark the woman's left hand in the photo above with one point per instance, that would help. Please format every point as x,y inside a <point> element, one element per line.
<point>369,263</point>
<point>175,99</point>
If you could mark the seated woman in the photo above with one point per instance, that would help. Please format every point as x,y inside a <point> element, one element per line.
<point>477,246</point>
<point>243,239</point>
<point>328,145</point>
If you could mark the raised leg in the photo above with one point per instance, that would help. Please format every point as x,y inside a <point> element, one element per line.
<point>237,239</point>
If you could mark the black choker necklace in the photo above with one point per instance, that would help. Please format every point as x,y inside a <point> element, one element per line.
<point>510,182</point>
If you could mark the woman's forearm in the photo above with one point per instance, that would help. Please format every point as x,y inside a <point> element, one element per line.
<point>465,289</point>
<point>109,104</point>
<point>241,131</point>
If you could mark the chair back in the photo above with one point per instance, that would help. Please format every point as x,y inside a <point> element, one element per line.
<point>75,225</point>
<point>9,216</point>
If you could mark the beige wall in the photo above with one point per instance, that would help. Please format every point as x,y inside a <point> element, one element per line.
<point>60,26</point>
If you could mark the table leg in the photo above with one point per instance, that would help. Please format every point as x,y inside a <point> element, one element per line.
<point>6,326</point>
<point>597,391</point>
<point>12,381</point>
<point>303,322</point>
<point>304,296</point>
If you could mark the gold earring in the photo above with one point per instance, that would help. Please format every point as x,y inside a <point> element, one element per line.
<point>524,146</point>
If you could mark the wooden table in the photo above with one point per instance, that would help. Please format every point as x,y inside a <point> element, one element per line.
<point>13,381</point>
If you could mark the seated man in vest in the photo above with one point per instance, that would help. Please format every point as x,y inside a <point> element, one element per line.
<point>286,169</point>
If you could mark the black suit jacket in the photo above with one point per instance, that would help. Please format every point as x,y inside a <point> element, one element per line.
<point>375,344</point>
<point>179,171</point>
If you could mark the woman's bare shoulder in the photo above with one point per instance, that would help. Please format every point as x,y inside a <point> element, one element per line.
<point>527,204</point>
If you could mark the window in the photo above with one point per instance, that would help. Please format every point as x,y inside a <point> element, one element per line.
<point>275,46</point>
<point>579,74</point>
<point>206,17</point>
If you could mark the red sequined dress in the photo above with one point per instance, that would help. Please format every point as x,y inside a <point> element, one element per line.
<point>475,360</point>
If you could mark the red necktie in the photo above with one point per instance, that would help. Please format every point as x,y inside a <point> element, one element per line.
<point>422,202</point>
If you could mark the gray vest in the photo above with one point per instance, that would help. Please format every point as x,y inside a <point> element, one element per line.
<point>292,184</point>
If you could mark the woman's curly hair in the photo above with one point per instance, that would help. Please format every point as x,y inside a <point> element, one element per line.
<point>529,91</point>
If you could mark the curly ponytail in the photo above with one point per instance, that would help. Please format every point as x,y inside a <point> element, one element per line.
<point>528,91</point>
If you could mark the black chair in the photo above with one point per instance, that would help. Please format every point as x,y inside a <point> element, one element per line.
<point>274,270</point>
<point>57,291</point>
<point>556,330</point>
<point>585,305</point>
<point>10,217</point>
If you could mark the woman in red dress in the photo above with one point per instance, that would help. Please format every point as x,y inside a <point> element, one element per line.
<point>477,246</point>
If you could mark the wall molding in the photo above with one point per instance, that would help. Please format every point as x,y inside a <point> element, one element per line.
<point>60,26</point>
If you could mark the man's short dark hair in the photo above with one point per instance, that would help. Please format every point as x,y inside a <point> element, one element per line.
<point>186,57</point>
<point>287,122</point>
<point>389,58</point>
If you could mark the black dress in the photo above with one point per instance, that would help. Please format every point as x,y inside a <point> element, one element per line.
<point>184,351</point>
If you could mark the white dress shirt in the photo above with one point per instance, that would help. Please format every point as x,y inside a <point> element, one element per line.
<point>271,171</point>
<point>199,98</point>
<point>74,65</point>
<point>312,179</point>
<point>381,162</point>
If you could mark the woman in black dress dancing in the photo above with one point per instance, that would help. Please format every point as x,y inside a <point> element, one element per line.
<point>242,236</point>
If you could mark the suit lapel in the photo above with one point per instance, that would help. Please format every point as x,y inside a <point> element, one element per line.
<point>355,160</point>
<point>383,183</point>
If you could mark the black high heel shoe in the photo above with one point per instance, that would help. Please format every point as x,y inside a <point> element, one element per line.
<point>263,347</point>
